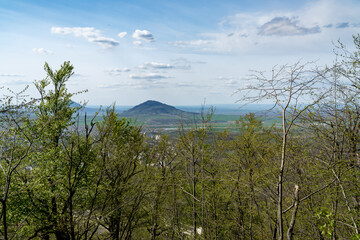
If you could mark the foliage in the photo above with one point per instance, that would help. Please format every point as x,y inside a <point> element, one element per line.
<point>108,179</point>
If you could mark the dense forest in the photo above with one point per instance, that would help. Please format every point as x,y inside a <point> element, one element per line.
<point>66,176</point>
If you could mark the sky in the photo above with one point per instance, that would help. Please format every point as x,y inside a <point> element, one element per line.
<point>180,52</point>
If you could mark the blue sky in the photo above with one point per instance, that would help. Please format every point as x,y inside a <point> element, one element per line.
<point>180,52</point>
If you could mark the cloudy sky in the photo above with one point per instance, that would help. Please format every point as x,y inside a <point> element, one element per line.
<point>181,52</point>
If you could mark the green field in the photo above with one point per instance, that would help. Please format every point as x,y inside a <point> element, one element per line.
<point>171,124</point>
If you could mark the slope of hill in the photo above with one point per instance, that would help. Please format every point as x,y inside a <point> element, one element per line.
<point>155,114</point>
<point>151,108</point>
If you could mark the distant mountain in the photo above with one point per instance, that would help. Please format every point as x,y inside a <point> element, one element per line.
<point>86,109</point>
<point>151,107</point>
<point>75,104</point>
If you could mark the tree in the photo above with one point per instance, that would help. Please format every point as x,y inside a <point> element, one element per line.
<point>288,87</point>
<point>347,67</point>
<point>160,205</point>
<point>49,196</point>
<point>249,167</point>
<point>335,122</point>
<point>120,154</point>
<point>17,138</point>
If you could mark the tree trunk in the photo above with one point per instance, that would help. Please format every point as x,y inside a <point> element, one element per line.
<point>61,235</point>
<point>4,219</point>
<point>114,228</point>
<point>280,229</point>
<point>290,231</point>
<point>194,206</point>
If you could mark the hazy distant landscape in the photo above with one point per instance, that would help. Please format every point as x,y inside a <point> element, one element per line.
<point>225,109</point>
<point>224,116</point>
<point>180,120</point>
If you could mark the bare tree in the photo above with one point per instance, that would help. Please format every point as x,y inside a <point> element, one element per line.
<point>336,120</point>
<point>289,88</point>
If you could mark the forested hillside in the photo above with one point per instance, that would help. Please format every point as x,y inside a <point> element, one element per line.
<point>62,179</point>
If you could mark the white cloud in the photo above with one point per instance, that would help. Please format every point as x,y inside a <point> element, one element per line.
<point>148,76</point>
<point>343,25</point>
<point>191,85</point>
<point>284,26</point>
<point>182,66</point>
<point>137,43</point>
<point>165,66</point>
<point>144,35</point>
<point>325,12</point>
<point>115,85</point>
<point>89,33</point>
<point>225,78</point>
<point>11,75</point>
<point>309,29</point>
<point>85,32</point>
<point>122,34</point>
<point>15,82</point>
<point>231,83</point>
<point>138,84</point>
<point>117,71</point>
<point>105,42</point>
<point>228,81</point>
<point>185,62</point>
<point>155,65</point>
<point>194,43</point>
<point>78,75</point>
<point>42,51</point>
<point>123,85</point>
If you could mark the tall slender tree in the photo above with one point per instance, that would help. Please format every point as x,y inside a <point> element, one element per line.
<point>288,87</point>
